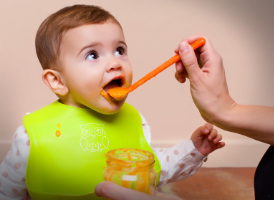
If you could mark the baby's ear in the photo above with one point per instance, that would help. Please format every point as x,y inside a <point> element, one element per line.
<point>54,81</point>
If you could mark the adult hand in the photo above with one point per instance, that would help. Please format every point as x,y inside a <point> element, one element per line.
<point>115,192</point>
<point>207,79</point>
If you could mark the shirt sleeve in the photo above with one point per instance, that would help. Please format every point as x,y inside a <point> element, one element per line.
<point>146,130</point>
<point>13,168</point>
<point>178,162</point>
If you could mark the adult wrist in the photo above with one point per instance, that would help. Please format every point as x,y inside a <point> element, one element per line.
<point>223,117</point>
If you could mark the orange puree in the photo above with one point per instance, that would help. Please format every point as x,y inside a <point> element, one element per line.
<point>131,168</point>
<point>118,93</point>
<point>105,95</point>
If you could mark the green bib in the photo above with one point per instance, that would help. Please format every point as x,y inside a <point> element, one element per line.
<point>68,148</point>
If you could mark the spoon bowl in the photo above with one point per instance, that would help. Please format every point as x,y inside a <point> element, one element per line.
<point>118,93</point>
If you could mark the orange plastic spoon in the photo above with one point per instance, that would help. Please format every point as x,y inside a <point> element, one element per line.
<point>119,93</point>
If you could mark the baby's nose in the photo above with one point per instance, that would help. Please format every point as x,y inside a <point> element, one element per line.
<point>114,65</point>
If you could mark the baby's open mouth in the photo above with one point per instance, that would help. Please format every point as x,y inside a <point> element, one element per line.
<point>117,82</point>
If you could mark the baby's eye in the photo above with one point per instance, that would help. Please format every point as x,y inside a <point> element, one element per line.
<point>92,55</point>
<point>120,51</point>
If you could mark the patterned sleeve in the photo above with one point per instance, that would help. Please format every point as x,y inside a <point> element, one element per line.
<point>13,168</point>
<point>178,162</point>
<point>146,130</point>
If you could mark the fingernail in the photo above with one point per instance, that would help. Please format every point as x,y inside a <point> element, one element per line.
<point>206,131</point>
<point>177,67</point>
<point>184,47</point>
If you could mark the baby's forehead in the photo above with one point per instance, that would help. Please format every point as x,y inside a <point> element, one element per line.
<point>93,30</point>
<point>91,34</point>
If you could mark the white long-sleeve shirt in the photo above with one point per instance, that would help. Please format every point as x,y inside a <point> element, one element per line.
<point>177,163</point>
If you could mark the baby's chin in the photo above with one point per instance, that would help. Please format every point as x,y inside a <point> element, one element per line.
<point>110,108</point>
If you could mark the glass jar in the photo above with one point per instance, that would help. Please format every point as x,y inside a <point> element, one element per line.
<point>131,168</point>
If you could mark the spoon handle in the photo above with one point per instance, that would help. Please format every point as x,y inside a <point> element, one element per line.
<point>165,65</point>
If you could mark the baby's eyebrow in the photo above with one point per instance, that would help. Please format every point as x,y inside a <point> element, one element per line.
<point>123,43</point>
<point>89,46</point>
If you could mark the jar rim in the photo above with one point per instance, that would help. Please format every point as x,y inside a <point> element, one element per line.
<point>150,157</point>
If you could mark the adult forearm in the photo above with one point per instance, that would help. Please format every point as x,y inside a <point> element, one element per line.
<point>252,121</point>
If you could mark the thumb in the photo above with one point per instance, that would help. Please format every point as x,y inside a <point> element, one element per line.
<point>189,59</point>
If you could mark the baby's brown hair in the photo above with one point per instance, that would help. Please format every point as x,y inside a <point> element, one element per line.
<point>49,35</point>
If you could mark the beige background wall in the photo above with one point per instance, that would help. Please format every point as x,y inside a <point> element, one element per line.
<point>241,30</point>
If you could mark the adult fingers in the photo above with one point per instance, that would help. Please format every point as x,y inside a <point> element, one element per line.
<point>190,40</point>
<point>180,73</point>
<point>189,59</point>
<point>115,192</point>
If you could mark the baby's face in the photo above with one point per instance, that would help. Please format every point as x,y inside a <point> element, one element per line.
<point>93,59</point>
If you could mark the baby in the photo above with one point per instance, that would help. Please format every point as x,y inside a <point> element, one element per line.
<point>59,151</point>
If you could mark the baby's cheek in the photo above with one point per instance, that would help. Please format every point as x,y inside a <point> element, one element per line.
<point>129,79</point>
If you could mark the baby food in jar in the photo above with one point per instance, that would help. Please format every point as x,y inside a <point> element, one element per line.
<point>131,168</point>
